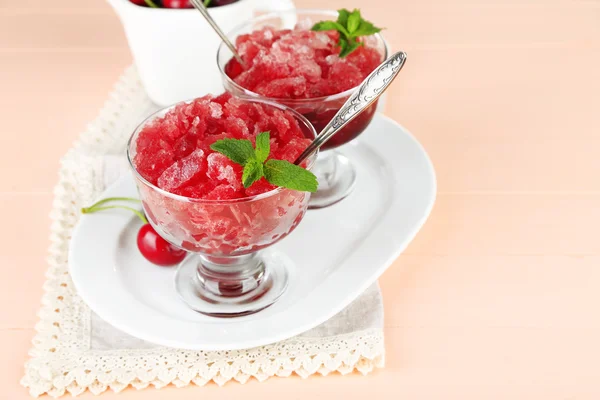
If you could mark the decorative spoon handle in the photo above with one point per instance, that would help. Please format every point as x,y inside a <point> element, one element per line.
<point>365,95</point>
<point>200,7</point>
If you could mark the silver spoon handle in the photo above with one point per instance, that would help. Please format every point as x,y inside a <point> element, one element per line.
<point>200,7</point>
<point>365,95</point>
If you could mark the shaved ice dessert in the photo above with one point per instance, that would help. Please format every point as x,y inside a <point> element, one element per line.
<point>173,151</point>
<point>194,196</point>
<point>299,64</point>
<point>303,69</point>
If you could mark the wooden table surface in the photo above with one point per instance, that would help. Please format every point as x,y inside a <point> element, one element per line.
<point>497,297</point>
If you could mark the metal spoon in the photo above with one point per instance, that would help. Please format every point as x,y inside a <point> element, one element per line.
<point>200,7</point>
<point>365,95</point>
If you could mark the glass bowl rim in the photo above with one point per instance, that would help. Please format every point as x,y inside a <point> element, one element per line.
<point>248,199</point>
<point>330,97</point>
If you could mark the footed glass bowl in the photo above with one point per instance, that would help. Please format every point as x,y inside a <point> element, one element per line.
<point>335,172</point>
<point>225,275</point>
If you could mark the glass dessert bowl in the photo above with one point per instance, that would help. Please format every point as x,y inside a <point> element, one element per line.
<point>287,63</point>
<point>194,198</point>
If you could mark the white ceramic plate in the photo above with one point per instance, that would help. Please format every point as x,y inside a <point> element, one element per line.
<point>336,253</point>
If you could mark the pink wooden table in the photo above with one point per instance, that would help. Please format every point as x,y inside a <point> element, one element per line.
<point>497,297</point>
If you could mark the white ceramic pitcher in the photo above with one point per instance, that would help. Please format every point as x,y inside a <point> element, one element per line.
<point>175,50</point>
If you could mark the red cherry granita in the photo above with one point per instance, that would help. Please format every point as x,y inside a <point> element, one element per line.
<point>302,69</point>
<point>216,216</point>
<point>173,151</point>
<point>299,63</point>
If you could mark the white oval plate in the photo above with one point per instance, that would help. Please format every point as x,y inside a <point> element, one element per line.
<point>336,253</point>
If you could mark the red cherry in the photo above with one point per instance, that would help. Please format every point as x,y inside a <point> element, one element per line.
<point>177,4</point>
<point>156,249</point>
<point>152,246</point>
<point>139,2</point>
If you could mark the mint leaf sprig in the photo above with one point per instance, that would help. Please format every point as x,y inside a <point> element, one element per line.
<point>280,173</point>
<point>351,26</point>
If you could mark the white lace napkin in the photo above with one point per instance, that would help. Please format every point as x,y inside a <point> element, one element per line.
<point>74,350</point>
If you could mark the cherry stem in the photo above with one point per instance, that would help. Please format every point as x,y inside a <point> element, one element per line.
<point>206,3</point>
<point>93,209</point>
<point>150,3</point>
<point>97,206</point>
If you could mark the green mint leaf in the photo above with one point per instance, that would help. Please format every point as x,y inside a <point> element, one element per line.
<point>285,174</point>
<point>348,46</point>
<point>351,26</point>
<point>330,26</point>
<point>366,28</point>
<point>344,47</point>
<point>253,171</point>
<point>263,146</point>
<point>240,151</point>
<point>354,21</point>
<point>343,16</point>
<point>278,172</point>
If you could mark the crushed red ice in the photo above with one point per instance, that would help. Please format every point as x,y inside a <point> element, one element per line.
<point>173,151</point>
<point>299,63</point>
